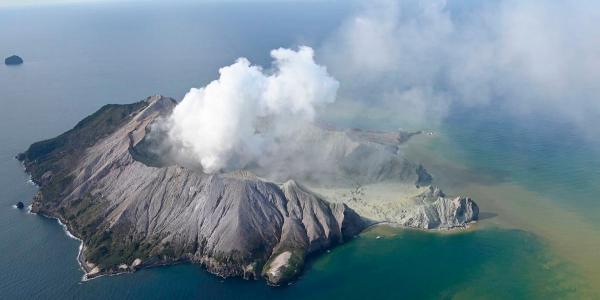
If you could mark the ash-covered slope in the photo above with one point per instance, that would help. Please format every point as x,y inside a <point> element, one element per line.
<point>131,209</point>
<point>130,215</point>
<point>326,156</point>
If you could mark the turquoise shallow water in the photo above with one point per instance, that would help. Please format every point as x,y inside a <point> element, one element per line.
<point>555,159</point>
<point>78,58</point>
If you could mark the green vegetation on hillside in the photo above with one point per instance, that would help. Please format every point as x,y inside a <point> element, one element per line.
<point>50,162</point>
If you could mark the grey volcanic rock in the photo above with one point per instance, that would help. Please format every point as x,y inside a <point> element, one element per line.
<point>20,205</point>
<point>430,209</point>
<point>130,214</point>
<point>133,208</point>
<point>13,60</point>
<point>436,211</point>
<point>326,156</point>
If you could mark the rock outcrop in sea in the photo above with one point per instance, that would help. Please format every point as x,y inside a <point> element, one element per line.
<point>13,60</point>
<point>435,210</point>
<point>130,210</point>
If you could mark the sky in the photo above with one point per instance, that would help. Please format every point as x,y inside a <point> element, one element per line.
<point>16,3</point>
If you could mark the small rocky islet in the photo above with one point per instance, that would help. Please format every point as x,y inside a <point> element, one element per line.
<point>13,60</point>
<point>132,211</point>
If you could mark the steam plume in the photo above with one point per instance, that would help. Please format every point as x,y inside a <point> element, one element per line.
<point>413,60</point>
<point>218,125</point>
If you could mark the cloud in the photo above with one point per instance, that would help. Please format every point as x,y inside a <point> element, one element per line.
<point>222,125</point>
<point>411,61</point>
<point>400,63</point>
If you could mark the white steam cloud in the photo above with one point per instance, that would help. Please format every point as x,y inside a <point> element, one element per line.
<point>402,63</point>
<point>218,125</point>
<point>414,60</point>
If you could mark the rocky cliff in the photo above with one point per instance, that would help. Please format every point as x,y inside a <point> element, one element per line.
<point>131,210</point>
<point>432,209</point>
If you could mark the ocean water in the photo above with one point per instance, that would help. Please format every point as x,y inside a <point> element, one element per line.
<point>531,172</point>
<point>552,157</point>
<point>535,180</point>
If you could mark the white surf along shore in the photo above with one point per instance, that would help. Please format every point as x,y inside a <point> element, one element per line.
<point>88,273</point>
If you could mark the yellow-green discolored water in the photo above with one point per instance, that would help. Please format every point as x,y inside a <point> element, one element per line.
<point>570,239</point>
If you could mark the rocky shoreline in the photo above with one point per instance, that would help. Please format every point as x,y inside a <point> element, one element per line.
<point>90,271</point>
<point>130,212</point>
